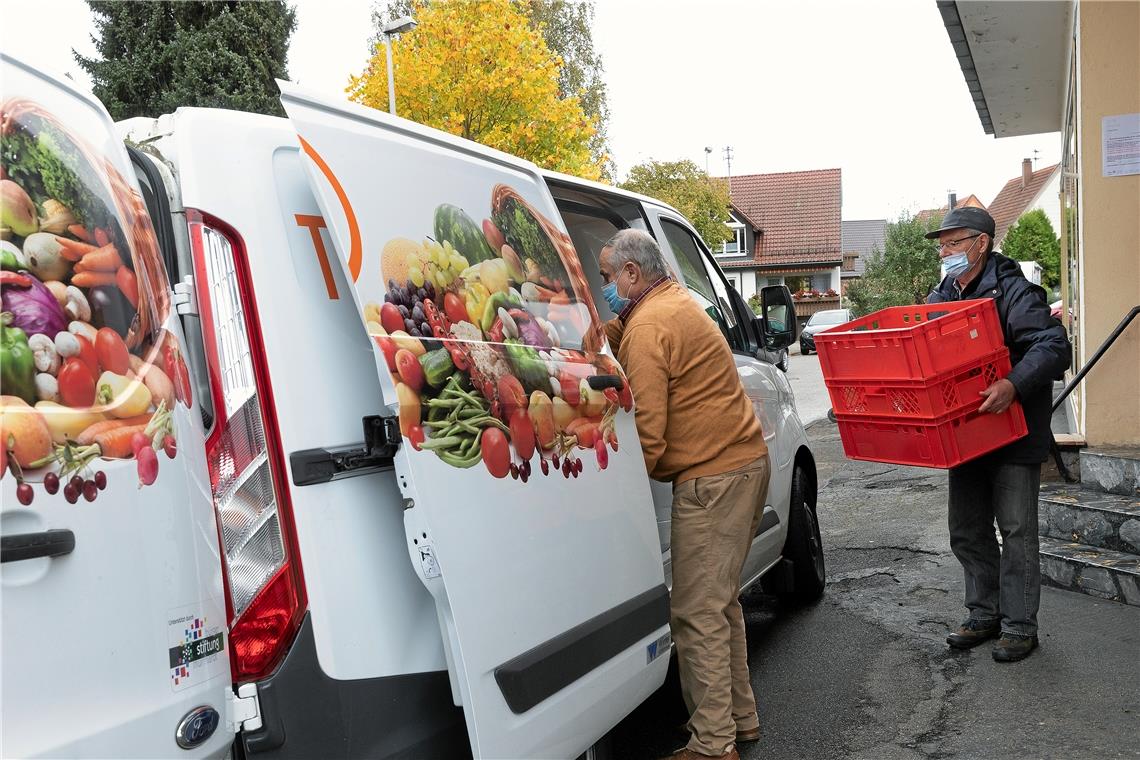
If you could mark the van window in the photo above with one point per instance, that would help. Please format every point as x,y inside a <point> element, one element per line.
<point>710,292</point>
<point>590,232</point>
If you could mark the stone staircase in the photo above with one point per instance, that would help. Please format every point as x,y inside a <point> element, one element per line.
<point>1090,532</point>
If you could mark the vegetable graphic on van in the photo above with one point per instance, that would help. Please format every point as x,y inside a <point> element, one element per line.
<point>88,373</point>
<point>492,340</point>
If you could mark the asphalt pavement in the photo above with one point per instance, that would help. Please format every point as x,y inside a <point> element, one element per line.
<point>865,672</point>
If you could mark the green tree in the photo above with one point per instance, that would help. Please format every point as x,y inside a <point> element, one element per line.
<point>567,28</point>
<point>1033,239</point>
<point>685,186</point>
<point>157,56</point>
<point>902,272</point>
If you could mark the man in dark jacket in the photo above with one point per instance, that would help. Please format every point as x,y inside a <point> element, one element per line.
<point>1003,587</point>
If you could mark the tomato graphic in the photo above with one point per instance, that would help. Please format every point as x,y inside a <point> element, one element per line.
<point>175,366</point>
<point>496,452</point>
<point>522,434</point>
<point>112,351</point>
<point>76,383</point>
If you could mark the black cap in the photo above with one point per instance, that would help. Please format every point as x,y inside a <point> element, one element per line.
<point>970,217</point>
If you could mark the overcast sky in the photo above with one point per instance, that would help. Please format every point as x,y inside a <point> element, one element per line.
<point>871,87</point>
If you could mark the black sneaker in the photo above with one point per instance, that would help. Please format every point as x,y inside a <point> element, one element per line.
<point>1011,647</point>
<point>973,632</point>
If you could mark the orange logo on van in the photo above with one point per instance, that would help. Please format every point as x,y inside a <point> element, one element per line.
<point>355,254</point>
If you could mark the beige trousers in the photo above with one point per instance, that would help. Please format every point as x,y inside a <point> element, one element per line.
<point>714,521</point>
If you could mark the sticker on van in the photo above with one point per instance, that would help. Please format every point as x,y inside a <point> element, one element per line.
<point>88,373</point>
<point>492,339</point>
<point>196,647</point>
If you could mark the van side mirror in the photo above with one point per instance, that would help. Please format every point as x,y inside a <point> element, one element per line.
<point>777,320</point>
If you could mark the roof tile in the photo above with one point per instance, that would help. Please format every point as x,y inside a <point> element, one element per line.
<point>799,213</point>
<point>1014,199</point>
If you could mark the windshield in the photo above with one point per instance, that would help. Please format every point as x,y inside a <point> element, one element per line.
<point>828,318</point>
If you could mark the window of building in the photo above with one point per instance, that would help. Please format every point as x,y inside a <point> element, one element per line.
<point>735,246</point>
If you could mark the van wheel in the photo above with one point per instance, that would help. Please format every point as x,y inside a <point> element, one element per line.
<point>804,545</point>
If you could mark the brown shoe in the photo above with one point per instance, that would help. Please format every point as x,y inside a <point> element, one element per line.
<point>972,632</point>
<point>687,754</point>
<point>1012,648</point>
<point>749,736</point>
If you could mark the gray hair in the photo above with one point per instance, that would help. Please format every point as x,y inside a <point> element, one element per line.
<point>640,248</point>
<point>989,243</point>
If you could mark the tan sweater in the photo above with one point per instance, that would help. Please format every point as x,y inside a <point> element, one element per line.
<point>693,416</point>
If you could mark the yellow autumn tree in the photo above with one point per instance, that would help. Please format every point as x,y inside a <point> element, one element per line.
<point>477,69</point>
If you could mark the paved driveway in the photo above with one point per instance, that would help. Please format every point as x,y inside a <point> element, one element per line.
<point>812,401</point>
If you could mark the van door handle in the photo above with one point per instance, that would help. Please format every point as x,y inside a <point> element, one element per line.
<point>48,543</point>
<point>601,382</point>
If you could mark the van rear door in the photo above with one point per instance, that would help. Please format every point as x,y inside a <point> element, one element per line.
<point>114,639</point>
<point>535,538</point>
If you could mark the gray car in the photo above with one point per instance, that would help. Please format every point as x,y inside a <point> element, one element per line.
<point>821,320</point>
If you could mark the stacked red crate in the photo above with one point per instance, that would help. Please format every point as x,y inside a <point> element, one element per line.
<point>905,383</point>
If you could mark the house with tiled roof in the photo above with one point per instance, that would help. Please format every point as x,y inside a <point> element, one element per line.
<point>861,238</point>
<point>1026,192</point>
<point>788,231</point>
<point>952,201</point>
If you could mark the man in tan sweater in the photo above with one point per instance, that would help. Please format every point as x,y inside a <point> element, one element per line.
<point>698,431</point>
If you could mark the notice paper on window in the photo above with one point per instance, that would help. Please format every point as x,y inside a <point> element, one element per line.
<point>1120,144</point>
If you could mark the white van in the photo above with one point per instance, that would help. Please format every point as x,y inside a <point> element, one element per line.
<point>368,483</point>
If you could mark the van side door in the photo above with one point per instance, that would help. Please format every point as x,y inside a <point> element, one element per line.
<point>533,534</point>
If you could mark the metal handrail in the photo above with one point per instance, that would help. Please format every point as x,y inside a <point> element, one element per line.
<point>1072,384</point>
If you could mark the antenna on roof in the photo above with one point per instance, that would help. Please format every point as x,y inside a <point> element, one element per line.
<point>708,150</point>
<point>728,162</point>
<point>1035,152</point>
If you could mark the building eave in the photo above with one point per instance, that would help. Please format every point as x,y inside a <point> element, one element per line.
<point>1014,57</point>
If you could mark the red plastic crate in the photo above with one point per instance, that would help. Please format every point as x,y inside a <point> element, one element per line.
<point>936,397</point>
<point>944,443</point>
<point>910,342</point>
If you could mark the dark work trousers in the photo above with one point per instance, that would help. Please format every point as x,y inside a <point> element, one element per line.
<point>1001,582</point>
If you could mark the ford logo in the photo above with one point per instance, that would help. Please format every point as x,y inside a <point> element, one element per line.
<point>198,726</point>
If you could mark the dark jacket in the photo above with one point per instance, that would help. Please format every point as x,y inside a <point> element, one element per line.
<point>1039,349</point>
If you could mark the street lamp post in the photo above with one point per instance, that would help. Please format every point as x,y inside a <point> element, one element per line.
<point>397,26</point>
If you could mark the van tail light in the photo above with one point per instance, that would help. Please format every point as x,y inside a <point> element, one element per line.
<point>265,589</point>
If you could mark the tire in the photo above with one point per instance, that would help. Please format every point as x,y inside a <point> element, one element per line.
<point>804,546</point>
<point>783,363</point>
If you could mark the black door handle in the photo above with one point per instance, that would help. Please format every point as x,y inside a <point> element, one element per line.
<point>601,382</point>
<point>47,543</point>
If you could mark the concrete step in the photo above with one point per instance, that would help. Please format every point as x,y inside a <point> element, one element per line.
<point>1112,470</point>
<point>1103,573</point>
<point>1084,516</point>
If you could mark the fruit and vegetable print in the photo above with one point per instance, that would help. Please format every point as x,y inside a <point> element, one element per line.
<point>491,337</point>
<point>87,374</point>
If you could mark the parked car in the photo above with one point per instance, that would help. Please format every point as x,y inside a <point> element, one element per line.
<point>821,320</point>
<point>357,482</point>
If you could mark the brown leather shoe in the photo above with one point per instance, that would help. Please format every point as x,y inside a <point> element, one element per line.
<point>1011,648</point>
<point>749,736</point>
<point>687,754</point>
<point>972,632</point>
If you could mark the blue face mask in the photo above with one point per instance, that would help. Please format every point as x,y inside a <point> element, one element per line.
<point>954,266</point>
<point>616,302</point>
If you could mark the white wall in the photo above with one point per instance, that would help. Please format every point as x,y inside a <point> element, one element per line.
<point>748,284</point>
<point>1049,201</point>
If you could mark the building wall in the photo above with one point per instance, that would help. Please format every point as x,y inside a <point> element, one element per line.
<point>1109,74</point>
<point>748,284</point>
<point>1049,201</point>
